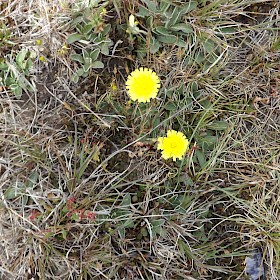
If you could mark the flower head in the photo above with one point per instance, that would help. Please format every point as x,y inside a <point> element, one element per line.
<point>142,85</point>
<point>174,145</point>
<point>132,26</point>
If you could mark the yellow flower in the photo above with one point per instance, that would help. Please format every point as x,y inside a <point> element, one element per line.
<point>142,85</point>
<point>42,58</point>
<point>113,86</point>
<point>63,50</point>
<point>174,145</point>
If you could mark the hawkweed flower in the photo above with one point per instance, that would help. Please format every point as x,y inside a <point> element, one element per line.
<point>174,145</point>
<point>142,85</point>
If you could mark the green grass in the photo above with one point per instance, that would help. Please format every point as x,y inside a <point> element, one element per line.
<point>73,145</point>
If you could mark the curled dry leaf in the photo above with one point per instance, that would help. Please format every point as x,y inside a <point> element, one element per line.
<point>258,99</point>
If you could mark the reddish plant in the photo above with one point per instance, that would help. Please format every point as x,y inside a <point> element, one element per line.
<point>34,215</point>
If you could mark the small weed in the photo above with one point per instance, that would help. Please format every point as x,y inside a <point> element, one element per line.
<point>15,70</point>
<point>92,35</point>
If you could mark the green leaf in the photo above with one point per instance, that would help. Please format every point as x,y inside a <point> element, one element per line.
<point>178,12</point>
<point>20,57</point>
<point>158,223</point>
<point>181,88</point>
<point>157,227</point>
<point>94,54</point>
<point>189,182</point>
<point>180,43</point>
<point>174,18</point>
<point>129,223</point>
<point>2,205</point>
<point>77,20</point>
<point>161,30</point>
<point>181,203</point>
<point>152,5</point>
<point>77,57</point>
<point>193,87</point>
<point>209,140</point>
<point>189,7</point>
<point>126,200</point>
<point>164,5</point>
<point>15,191</point>
<point>32,179</point>
<point>206,103</point>
<point>150,21</point>
<point>199,57</point>
<point>3,66</point>
<point>80,72</point>
<point>106,29</point>
<point>184,27</point>
<point>121,232</point>
<point>75,78</point>
<point>201,158</point>
<point>218,125</point>
<point>141,53</point>
<point>86,67</point>
<point>170,39</point>
<point>87,28</point>
<point>99,39</point>
<point>143,12</point>
<point>9,81</point>
<point>209,46</point>
<point>97,64</point>
<point>85,74</point>
<point>154,45</point>
<point>104,48</point>
<point>17,90</point>
<point>85,54</point>
<point>200,234</point>
<point>91,37</point>
<point>171,106</point>
<point>211,58</point>
<point>169,92</point>
<point>28,65</point>
<point>75,217</point>
<point>74,38</point>
<point>227,30</point>
<point>79,28</point>
<point>49,234</point>
<point>64,234</point>
<point>143,232</point>
<point>88,60</point>
<point>156,121</point>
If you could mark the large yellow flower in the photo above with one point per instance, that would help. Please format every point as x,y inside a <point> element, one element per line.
<point>174,145</point>
<point>142,85</point>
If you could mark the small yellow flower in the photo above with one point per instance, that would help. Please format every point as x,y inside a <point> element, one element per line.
<point>142,85</point>
<point>174,145</point>
<point>42,58</point>
<point>113,86</point>
<point>39,42</point>
<point>63,50</point>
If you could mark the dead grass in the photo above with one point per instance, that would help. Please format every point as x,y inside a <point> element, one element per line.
<point>71,151</point>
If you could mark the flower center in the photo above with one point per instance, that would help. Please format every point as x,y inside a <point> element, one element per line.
<point>146,84</point>
<point>173,145</point>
